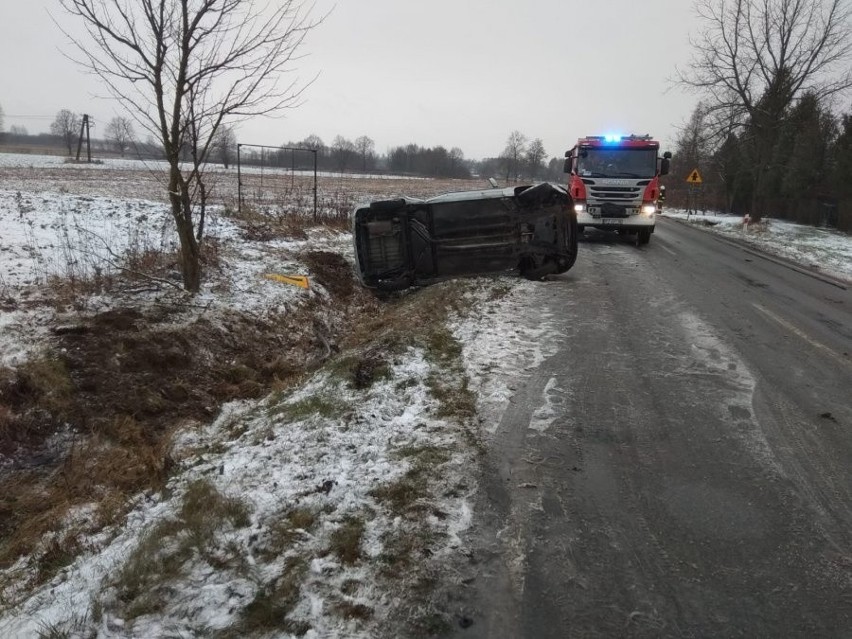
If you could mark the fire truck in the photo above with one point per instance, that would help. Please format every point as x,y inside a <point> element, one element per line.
<point>614,181</point>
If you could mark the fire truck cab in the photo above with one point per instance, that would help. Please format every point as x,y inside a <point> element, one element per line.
<point>614,182</point>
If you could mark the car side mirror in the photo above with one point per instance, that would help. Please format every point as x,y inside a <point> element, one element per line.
<point>566,167</point>
<point>665,165</point>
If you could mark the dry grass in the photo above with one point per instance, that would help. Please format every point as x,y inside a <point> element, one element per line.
<point>44,379</point>
<point>58,552</point>
<point>404,552</point>
<point>167,548</point>
<point>289,218</point>
<point>409,320</point>
<point>322,405</point>
<point>404,494</point>
<point>361,370</point>
<point>283,533</point>
<point>89,265</point>
<point>351,610</point>
<point>77,627</point>
<point>273,603</point>
<point>407,495</point>
<point>35,503</point>
<point>346,540</point>
<point>456,400</point>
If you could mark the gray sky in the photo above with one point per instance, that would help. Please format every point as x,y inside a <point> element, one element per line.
<point>452,72</point>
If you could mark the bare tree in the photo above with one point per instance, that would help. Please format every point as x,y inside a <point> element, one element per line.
<point>535,157</point>
<point>1,118</point>
<point>456,161</point>
<point>225,145</point>
<point>365,147</point>
<point>513,153</point>
<point>693,143</point>
<point>342,151</point>
<point>66,125</point>
<point>119,131</point>
<point>314,142</point>
<point>185,66</point>
<point>755,58</point>
<point>19,130</point>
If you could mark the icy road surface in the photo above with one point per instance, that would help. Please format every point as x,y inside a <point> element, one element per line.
<point>677,464</point>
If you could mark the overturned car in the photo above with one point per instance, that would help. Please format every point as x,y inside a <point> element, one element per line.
<point>406,242</point>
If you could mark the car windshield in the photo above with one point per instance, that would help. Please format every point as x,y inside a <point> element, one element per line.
<point>617,163</point>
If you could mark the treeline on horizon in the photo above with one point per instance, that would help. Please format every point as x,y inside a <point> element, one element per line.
<point>520,159</point>
<point>516,163</point>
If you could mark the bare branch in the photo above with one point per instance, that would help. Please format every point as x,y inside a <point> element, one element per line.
<point>185,68</point>
<point>754,58</point>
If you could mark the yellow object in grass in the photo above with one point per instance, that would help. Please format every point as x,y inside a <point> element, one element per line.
<point>296,280</point>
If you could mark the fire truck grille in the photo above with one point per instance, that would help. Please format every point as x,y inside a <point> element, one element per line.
<point>615,193</point>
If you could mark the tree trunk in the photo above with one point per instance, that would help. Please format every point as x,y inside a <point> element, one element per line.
<point>756,204</point>
<point>190,255</point>
<point>202,200</point>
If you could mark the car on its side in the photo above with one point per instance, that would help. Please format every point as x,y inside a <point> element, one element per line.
<point>408,241</point>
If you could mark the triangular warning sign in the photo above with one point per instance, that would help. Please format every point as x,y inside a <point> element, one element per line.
<point>694,177</point>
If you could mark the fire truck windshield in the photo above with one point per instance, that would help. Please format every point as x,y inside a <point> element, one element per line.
<point>617,163</point>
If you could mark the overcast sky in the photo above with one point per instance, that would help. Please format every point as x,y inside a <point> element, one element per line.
<point>452,72</point>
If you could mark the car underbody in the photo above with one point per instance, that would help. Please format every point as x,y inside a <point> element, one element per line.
<point>407,242</point>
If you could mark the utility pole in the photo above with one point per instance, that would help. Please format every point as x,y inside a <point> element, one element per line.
<point>84,126</point>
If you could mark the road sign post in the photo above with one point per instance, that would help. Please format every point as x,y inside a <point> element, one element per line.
<point>694,180</point>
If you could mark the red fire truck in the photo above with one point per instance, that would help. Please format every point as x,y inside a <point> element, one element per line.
<point>614,181</point>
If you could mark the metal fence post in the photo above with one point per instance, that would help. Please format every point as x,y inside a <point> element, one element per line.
<point>239,183</point>
<point>315,185</point>
<point>274,154</point>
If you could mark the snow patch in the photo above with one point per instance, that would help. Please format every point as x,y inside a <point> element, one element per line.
<point>523,340</point>
<point>825,249</point>
<point>710,355</point>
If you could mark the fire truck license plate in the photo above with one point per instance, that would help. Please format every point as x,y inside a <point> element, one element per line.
<point>611,220</point>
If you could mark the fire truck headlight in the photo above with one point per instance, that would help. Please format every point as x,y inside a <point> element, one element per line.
<point>579,208</point>
<point>648,209</point>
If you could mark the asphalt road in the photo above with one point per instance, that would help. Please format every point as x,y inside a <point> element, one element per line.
<point>682,466</point>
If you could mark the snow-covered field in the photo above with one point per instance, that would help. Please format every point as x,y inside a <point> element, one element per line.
<point>48,235</point>
<point>24,160</point>
<point>297,472</point>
